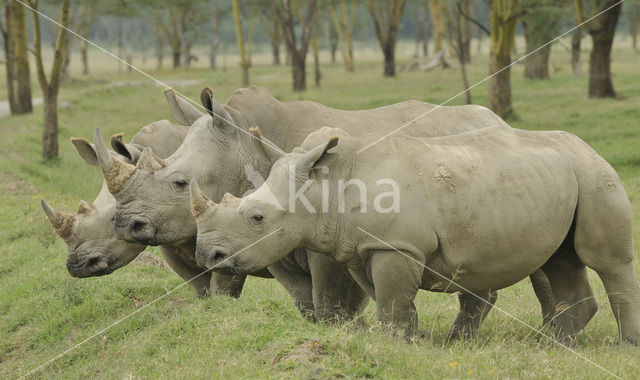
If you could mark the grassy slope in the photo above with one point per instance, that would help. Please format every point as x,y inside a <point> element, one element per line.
<point>43,311</point>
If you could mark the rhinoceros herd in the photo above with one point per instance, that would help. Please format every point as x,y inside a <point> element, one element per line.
<point>338,211</point>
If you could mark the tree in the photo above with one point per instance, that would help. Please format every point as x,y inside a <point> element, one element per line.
<point>453,15</point>
<point>386,19</point>
<point>436,8</point>
<point>576,65</point>
<point>422,28</point>
<point>503,19</point>
<point>297,52</point>
<point>86,16</point>
<point>244,64</point>
<point>271,25</point>
<point>344,20</point>
<point>17,59</point>
<point>634,19</point>
<point>601,29</point>
<point>317,75</point>
<point>50,87</point>
<point>540,26</point>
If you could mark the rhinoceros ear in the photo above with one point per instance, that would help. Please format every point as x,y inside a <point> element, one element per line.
<point>86,150</point>
<point>183,111</point>
<point>221,118</point>
<point>263,147</point>
<point>199,202</point>
<point>128,151</point>
<point>316,156</point>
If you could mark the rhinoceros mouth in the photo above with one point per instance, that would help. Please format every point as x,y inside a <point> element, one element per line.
<point>91,265</point>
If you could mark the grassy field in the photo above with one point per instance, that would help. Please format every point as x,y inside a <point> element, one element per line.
<point>43,311</point>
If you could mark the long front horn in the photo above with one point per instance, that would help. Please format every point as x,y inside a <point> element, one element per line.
<point>114,171</point>
<point>62,222</point>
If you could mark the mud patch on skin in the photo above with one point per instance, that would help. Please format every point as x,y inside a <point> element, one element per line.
<point>306,352</point>
<point>148,258</point>
<point>443,174</point>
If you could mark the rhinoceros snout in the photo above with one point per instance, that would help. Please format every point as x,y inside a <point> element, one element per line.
<point>216,258</point>
<point>87,266</point>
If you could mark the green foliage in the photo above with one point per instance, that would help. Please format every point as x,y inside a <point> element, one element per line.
<point>43,311</point>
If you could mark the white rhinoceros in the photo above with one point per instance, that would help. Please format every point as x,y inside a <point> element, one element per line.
<point>94,249</point>
<point>477,211</point>
<point>153,200</point>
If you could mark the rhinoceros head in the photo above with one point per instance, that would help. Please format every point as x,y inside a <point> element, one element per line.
<point>153,197</point>
<point>241,235</point>
<point>93,247</point>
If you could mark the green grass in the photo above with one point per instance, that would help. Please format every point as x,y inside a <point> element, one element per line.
<point>43,311</point>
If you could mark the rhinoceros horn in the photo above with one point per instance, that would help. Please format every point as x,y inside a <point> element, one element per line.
<point>199,202</point>
<point>115,172</point>
<point>183,111</point>
<point>263,147</point>
<point>62,222</point>
<point>149,161</point>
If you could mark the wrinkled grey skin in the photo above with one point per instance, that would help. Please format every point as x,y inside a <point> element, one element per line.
<point>483,208</point>
<point>94,249</point>
<point>153,201</point>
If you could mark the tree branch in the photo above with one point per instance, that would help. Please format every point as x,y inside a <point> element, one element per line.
<point>476,22</point>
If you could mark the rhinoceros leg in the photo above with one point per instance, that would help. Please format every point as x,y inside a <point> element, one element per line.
<point>542,289</point>
<point>336,295</point>
<point>574,298</point>
<point>396,280</point>
<point>298,284</point>
<point>187,272</point>
<point>603,241</point>
<point>473,310</point>
<point>226,284</point>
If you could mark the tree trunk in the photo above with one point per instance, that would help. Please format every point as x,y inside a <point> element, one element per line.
<point>389,59</point>
<point>50,132</point>
<point>159,45</point>
<point>275,50</point>
<point>299,71</point>
<point>576,65</point>
<point>84,57</point>
<point>465,48</point>
<point>23,79</point>
<point>500,84</point>
<point>436,9</point>
<point>215,39</point>
<point>537,64</point>
<point>176,58</point>
<point>120,43</point>
<point>244,65</point>
<point>315,50</point>
<point>9,56</point>
<point>503,31</point>
<point>600,85</point>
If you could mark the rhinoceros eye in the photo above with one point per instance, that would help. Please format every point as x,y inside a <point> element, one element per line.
<point>255,216</point>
